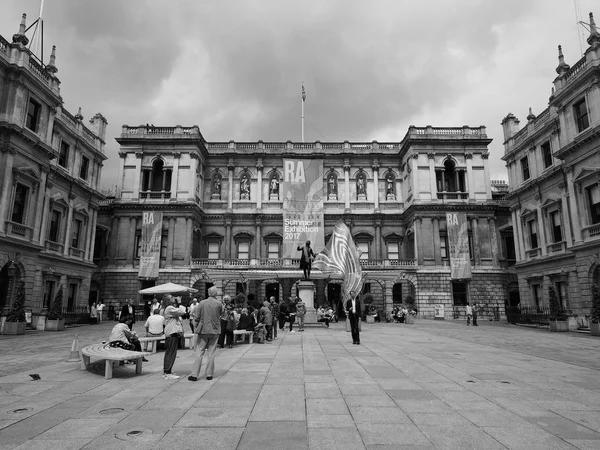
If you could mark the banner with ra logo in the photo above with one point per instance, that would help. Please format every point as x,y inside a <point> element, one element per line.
<point>458,241</point>
<point>150,245</point>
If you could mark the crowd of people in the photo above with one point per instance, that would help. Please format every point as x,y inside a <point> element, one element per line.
<point>400,313</point>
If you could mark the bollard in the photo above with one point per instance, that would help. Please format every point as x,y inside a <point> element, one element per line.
<point>74,350</point>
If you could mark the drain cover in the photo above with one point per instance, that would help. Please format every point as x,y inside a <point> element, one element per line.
<point>144,434</point>
<point>505,382</point>
<point>470,381</point>
<point>109,411</point>
<point>21,410</point>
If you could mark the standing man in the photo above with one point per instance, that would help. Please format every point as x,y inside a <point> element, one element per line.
<point>207,323</point>
<point>353,309</point>
<point>266,318</point>
<point>469,313</point>
<point>275,312</point>
<point>306,258</point>
<point>292,313</point>
<point>191,310</point>
<point>129,310</point>
<point>300,312</point>
<point>173,332</point>
<point>475,312</point>
<point>100,309</point>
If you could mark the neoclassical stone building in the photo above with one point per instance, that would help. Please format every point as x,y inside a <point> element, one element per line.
<point>222,216</point>
<point>50,166</point>
<point>553,166</point>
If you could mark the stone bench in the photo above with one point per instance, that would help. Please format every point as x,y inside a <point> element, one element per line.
<point>111,355</point>
<point>243,333</point>
<point>190,341</point>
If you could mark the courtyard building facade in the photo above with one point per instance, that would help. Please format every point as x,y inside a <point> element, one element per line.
<point>50,167</point>
<point>554,195</point>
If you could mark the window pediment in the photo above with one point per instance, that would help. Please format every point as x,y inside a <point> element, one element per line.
<point>243,236</point>
<point>393,237</point>
<point>27,173</point>
<point>587,174</point>
<point>273,237</point>
<point>550,203</point>
<point>363,236</point>
<point>528,213</point>
<point>213,237</point>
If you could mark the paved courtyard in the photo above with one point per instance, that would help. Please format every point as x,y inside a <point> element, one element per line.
<point>429,385</point>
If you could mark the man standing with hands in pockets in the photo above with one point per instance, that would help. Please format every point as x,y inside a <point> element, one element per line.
<point>207,323</point>
<point>354,312</point>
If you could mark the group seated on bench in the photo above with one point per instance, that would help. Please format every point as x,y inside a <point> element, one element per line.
<point>247,325</point>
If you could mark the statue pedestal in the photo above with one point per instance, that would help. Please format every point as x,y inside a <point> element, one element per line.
<point>274,197</point>
<point>362,197</point>
<point>216,196</point>
<point>332,197</point>
<point>391,197</point>
<point>306,291</point>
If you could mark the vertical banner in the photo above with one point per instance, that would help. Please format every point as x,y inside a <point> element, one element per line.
<point>458,241</point>
<point>302,193</point>
<point>150,251</point>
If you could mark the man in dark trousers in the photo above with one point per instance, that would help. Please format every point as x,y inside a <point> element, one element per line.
<point>354,311</point>
<point>129,310</point>
<point>306,258</point>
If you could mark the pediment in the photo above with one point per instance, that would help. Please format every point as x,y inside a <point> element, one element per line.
<point>550,202</point>
<point>272,236</point>
<point>243,235</point>
<point>393,237</point>
<point>586,173</point>
<point>527,212</point>
<point>213,235</point>
<point>27,172</point>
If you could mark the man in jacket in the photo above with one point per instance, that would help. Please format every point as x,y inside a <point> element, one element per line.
<point>354,311</point>
<point>129,310</point>
<point>173,332</point>
<point>207,323</point>
<point>266,318</point>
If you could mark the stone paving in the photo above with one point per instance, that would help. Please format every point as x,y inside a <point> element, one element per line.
<point>429,385</point>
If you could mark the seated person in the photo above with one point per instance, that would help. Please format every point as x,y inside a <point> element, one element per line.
<point>155,324</point>
<point>322,316</point>
<point>246,321</point>
<point>331,314</point>
<point>122,337</point>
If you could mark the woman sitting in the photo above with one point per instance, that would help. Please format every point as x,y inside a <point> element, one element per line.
<point>322,316</point>
<point>122,337</point>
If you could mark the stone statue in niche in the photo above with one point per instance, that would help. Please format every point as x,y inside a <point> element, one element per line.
<point>274,188</point>
<point>361,187</point>
<point>332,187</point>
<point>216,188</point>
<point>245,188</point>
<point>389,183</point>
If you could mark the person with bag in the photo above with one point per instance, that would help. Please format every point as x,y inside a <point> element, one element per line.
<point>207,323</point>
<point>266,318</point>
<point>224,318</point>
<point>300,313</point>
<point>354,313</point>
<point>173,333</point>
<point>292,311</point>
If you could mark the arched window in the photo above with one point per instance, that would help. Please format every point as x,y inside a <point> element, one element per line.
<point>450,179</point>
<point>157,179</point>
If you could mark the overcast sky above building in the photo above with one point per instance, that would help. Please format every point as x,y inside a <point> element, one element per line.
<point>370,69</point>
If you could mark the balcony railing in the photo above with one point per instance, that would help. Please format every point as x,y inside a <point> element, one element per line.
<point>557,247</point>
<point>452,195</point>
<point>287,263</point>
<point>533,253</point>
<point>592,231</point>
<point>76,252</point>
<point>18,229</point>
<point>54,246</point>
<point>155,195</point>
<point>527,314</point>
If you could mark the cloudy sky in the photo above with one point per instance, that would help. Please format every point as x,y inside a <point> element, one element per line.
<point>370,69</point>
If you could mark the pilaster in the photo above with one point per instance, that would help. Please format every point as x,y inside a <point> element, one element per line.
<point>347,185</point>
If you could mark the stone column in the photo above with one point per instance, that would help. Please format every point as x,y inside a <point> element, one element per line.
<point>67,241</point>
<point>378,254</point>
<point>414,162</point>
<point>230,168</point>
<point>436,241</point>
<point>93,240</point>
<point>520,238</point>
<point>40,206</point>
<point>8,152</point>
<point>258,246</point>
<point>572,200</point>
<point>388,295</point>
<point>131,240</point>
<point>138,174</point>
<point>228,238</point>
<point>419,240</point>
<point>486,176</point>
<point>171,241</point>
<point>259,174</point>
<point>470,180</point>
<point>375,168</point>
<point>494,237</point>
<point>432,181</point>
<point>564,215</point>
<point>175,176</point>
<point>541,229</point>
<point>114,240</point>
<point>187,255</point>
<point>347,184</point>
<point>45,213</point>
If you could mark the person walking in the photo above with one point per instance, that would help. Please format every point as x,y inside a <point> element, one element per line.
<point>266,318</point>
<point>469,314</point>
<point>173,332</point>
<point>275,313</point>
<point>306,258</point>
<point>300,313</point>
<point>207,323</point>
<point>292,314</point>
<point>354,312</point>
<point>93,314</point>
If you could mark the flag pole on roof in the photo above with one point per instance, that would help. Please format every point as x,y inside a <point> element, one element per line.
<point>303,100</point>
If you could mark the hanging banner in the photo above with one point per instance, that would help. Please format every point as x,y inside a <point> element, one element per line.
<point>458,241</point>
<point>302,193</point>
<point>150,245</point>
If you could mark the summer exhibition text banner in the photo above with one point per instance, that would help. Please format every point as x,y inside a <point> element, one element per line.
<point>150,251</point>
<point>458,240</point>
<point>303,193</point>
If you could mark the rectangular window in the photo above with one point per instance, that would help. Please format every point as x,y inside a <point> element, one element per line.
<point>77,224</point>
<point>20,203</point>
<point>593,194</point>
<point>72,297</point>
<point>509,242</point>
<point>164,244</point>
<point>546,154</point>
<point>535,292</point>
<point>444,245</point>
<point>525,168</point>
<point>471,249</point>
<point>243,250</point>
<point>393,250</point>
<point>48,292</point>
<point>561,293</point>
<point>364,248</point>
<point>63,157</point>
<point>83,171</point>
<point>54,226</point>
<point>555,225</point>
<point>532,228</point>
<point>581,115</point>
<point>138,244</point>
<point>273,250</point>
<point>213,250</point>
<point>33,115</point>
<point>459,293</point>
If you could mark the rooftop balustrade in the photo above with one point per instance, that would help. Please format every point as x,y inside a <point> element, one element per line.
<point>287,263</point>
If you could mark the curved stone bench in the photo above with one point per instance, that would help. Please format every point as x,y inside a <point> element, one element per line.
<point>111,355</point>
<point>190,339</point>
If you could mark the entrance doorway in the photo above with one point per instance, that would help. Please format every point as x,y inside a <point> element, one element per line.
<point>334,293</point>
<point>272,290</point>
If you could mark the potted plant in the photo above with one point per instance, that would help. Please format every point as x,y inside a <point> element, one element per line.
<point>15,319</point>
<point>55,320</point>
<point>595,312</point>
<point>367,300</point>
<point>558,316</point>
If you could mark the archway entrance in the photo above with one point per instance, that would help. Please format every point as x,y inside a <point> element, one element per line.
<point>4,288</point>
<point>334,296</point>
<point>272,290</point>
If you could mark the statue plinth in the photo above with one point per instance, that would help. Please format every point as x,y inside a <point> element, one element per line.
<point>332,197</point>
<point>306,291</point>
<point>274,197</point>
<point>391,197</point>
<point>216,197</point>
<point>362,197</point>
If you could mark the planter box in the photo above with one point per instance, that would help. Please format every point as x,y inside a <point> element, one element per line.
<point>595,329</point>
<point>55,325</point>
<point>14,327</point>
<point>559,325</point>
<point>370,319</point>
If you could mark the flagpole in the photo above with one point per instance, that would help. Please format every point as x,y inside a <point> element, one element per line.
<point>303,97</point>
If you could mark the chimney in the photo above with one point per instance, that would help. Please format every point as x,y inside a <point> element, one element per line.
<point>510,126</point>
<point>98,126</point>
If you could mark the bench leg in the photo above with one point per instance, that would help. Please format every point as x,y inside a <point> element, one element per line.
<point>251,338</point>
<point>108,371</point>
<point>155,346</point>
<point>138,365</point>
<point>85,361</point>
